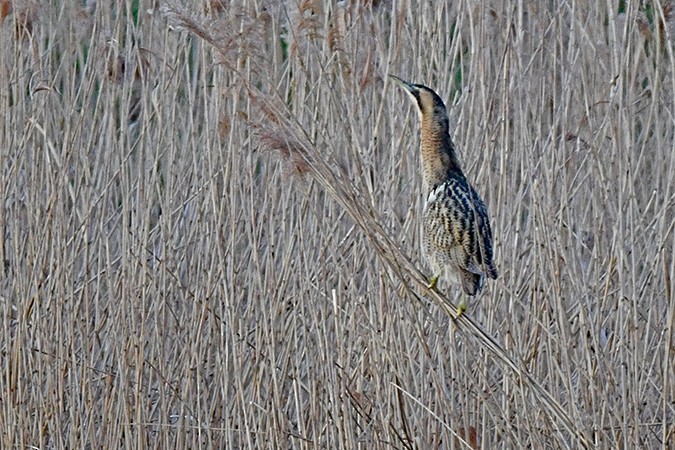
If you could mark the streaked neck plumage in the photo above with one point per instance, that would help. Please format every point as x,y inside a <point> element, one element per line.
<point>439,159</point>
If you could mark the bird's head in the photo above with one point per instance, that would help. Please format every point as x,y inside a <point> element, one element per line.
<point>429,104</point>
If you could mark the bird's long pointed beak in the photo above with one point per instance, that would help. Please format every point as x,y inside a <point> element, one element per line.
<point>402,83</point>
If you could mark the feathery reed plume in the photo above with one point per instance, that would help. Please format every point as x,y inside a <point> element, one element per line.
<point>470,436</point>
<point>292,151</point>
<point>6,7</point>
<point>661,22</point>
<point>336,37</point>
<point>121,71</point>
<point>238,34</point>
<point>25,16</point>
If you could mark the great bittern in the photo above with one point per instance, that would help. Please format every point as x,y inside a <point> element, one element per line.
<point>456,234</point>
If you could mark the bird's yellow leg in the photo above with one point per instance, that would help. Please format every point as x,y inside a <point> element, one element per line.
<point>433,282</point>
<point>461,309</point>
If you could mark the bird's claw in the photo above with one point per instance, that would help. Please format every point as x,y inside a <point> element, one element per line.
<point>461,309</point>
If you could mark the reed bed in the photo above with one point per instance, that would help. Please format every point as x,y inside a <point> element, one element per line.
<point>210,225</point>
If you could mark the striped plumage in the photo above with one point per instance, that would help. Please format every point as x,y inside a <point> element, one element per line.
<point>456,234</point>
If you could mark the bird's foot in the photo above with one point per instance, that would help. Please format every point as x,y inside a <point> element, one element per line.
<point>461,309</point>
<point>433,282</point>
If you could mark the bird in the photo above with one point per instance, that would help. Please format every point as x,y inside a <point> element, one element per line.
<point>456,233</point>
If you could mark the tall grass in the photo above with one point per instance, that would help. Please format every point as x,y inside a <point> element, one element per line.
<point>210,225</point>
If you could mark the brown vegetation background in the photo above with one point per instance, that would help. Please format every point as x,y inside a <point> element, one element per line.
<point>210,238</point>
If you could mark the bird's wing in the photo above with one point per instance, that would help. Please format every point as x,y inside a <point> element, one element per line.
<point>462,226</point>
<point>485,236</point>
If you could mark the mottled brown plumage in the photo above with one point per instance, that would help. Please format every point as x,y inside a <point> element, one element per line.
<point>456,234</point>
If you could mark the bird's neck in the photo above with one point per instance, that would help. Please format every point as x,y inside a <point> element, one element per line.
<point>439,159</point>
